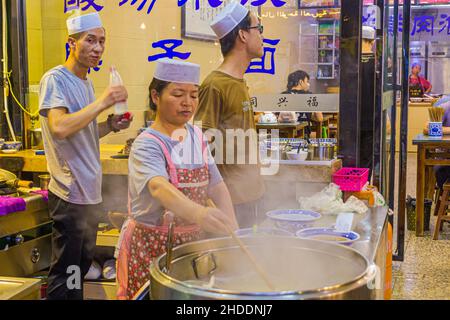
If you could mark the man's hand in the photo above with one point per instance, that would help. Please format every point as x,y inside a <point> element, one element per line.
<point>121,122</point>
<point>111,96</point>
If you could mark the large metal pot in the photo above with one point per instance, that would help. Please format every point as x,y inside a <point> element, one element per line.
<point>299,269</point>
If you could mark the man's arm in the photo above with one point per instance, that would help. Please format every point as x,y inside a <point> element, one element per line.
<point>63,124</point>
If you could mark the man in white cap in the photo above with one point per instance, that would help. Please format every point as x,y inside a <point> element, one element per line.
<point>225,105</point>
<point>68,110</point>
<point>368,38</point>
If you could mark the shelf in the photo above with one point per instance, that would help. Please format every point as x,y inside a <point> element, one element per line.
<point>325,34</point>
<point>325,49</point>
<point>325,78</point>
<point>325,63</point>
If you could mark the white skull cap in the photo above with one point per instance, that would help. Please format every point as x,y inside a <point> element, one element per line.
<point>84,23</point>
<point>177,71</point>
<point>368,33</point>
<point>228,19</point>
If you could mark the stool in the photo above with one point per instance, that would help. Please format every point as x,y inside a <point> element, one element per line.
<point>442,213</point>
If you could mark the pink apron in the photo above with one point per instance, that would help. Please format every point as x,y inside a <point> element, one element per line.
<point>141,243</point>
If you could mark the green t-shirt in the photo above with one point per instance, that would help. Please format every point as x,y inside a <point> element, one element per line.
<point>225,104</point>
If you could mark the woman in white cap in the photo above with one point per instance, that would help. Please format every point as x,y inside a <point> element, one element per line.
<point>170,170</point>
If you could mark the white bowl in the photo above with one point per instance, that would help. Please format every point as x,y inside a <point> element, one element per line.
<point>293,220</point>
<point>294,155</point>
<point>9,150</point>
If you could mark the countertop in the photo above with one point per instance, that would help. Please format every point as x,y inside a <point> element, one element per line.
<point>19,288</point>
<point>368,225</point>
<point>38,163</point>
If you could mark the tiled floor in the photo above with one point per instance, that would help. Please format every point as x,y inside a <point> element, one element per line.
<point>425,271</point>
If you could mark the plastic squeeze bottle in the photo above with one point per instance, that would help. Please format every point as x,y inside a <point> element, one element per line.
<point>115,80</point>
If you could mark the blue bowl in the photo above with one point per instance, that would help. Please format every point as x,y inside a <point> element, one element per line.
<point>262,232</point>
<point>328,235</point>
<point>293,220</point>
<point>10,145</point>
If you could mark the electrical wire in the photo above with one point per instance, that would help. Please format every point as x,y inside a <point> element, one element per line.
<point>32,115</point>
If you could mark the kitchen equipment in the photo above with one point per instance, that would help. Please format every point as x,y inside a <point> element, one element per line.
<point>44,180</point>
<point>257,231</point>
<point>19,288</point>
<point>321,151</point>
<point>299,268</point>
<point>36,141</point>
<point>249,255</point>
<point>293,220</point>
<point>328,234</point>
<point>9,183</point>
<point>25,238</point>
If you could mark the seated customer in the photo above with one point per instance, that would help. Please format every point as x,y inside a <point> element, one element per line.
<point>298,83</point>
<point>442,172</point>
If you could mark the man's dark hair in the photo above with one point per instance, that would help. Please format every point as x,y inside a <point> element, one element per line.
<point>227,43</point>
<point>159,86</point>
<point>295,77</point>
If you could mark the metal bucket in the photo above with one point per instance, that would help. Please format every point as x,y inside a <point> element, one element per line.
<point>299,269</point>
<point>44,180</point>
<point>321,152</point>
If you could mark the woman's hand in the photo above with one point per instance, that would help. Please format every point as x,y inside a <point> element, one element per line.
<point>215,221</point>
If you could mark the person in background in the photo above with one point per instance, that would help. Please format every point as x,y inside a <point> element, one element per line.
<point>70,131</point>
<point>298,83</point>
<point>170,170</point>
<point>418,85</point>
<point>225,105</point>
<point>368,39</point>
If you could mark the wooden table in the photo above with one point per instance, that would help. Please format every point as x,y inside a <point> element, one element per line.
<point>292,129</point>
<point>38,163</point>
<point>428,156</point>
<point>320,124</point>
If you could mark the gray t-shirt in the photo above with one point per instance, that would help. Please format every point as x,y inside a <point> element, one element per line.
<point>147,161</point>
<point>73,162</point>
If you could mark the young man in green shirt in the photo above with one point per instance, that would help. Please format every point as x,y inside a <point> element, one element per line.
<point>224,104</point>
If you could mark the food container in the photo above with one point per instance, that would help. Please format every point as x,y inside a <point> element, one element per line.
<point>11,146</point>
<point>297,155</point>
<point>298,268</point>
<point>329,235</point>
<point>293,220</point>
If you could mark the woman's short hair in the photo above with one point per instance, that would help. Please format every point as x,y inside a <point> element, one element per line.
<point>227,42</point>
<point>159,86</point>
<point>295,77</point>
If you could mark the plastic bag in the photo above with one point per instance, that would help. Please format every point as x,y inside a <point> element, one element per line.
<point>109,269</point>
<point>329,201</point>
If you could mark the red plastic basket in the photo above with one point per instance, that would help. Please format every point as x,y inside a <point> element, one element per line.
<point>351,179</point>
